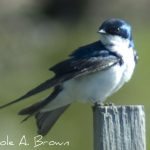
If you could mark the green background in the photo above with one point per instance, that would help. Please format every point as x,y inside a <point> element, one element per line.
<point>30,44</point>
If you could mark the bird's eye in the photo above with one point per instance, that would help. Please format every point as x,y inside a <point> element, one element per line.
<point>114,30</point>
<point>118,29</point>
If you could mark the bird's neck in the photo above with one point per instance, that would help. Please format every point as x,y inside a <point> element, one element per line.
<point>117,44</point>
<point>115,41</point>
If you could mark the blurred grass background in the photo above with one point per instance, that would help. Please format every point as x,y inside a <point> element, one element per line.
<point>36,34</point>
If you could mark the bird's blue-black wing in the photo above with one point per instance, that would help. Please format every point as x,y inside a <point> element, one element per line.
<point>86,59</point>
<point>73,68</point>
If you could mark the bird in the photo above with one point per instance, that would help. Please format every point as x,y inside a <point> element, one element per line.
<point>91,73</point>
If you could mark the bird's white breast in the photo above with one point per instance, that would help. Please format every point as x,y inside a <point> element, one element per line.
<point>127,55</point>
<point>121,46</point>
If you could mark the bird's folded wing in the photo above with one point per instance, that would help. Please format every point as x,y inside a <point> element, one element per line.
<point>73,68</point>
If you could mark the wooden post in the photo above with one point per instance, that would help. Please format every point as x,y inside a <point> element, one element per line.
<point>119,127</point>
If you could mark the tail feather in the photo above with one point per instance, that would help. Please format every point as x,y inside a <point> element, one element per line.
<point>37,106</point>
<point>45,120</point>
<point>45,85</point>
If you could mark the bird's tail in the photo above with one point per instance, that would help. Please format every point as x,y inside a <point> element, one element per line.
<point>39,105</point>
<point>45,120</point>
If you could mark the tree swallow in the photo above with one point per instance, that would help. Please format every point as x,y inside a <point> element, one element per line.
<point>91,73</point>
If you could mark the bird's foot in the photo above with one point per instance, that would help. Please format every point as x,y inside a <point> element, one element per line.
<point>103,104</point>
<point>109,104</point>
<point>99,104</point>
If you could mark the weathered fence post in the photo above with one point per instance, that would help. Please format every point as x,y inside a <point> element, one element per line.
<point>119,127</point>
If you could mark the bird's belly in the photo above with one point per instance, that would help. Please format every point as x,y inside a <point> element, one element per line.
<point>96,86</point>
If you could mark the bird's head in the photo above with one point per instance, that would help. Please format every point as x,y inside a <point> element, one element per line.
<point>116,31</point>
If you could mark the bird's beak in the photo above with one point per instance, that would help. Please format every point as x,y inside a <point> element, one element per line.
<point>101,31</point>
